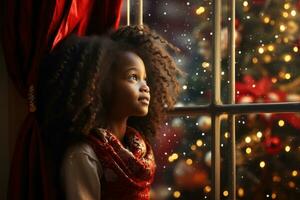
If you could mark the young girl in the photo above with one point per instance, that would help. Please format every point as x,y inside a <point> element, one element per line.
<point>100,102</point>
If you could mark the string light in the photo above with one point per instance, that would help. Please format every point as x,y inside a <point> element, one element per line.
<point>247,139</point>
<point>294,173</point>
<point>293,13</point>
<point>287,76</point>
<point>200,10</point>
<point>176,194</point>
<point>189,161</point>
<point>274,80</point>
<point>241,192</point>
<point>281,123</point>
<point>286,6</point>
<point>199,143</point>
<point>254,60</point>
<point>205,64</point>
<point>245,3</point>
<point>184,87</point>
<point>226,135</point>
<point>193,147</point>
<point>225,193</point>
<point>261,50</point>
<point>285,14</point>
<point>271,47</point>
<point>266,19</point>
<point>295,49</point>
<point>291,184</point>
<point>287,148</point>
<point>273,196</point>
<point>287,58</point>
<point>207,189</point>
<point>282,28</point>
<point>259,134</point>
<point>248,150</point>
<point>262,164</point>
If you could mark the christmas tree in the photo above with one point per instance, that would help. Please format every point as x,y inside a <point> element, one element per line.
<point>267,65</point>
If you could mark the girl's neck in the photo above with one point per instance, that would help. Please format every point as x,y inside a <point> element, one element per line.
<point>117,127</point>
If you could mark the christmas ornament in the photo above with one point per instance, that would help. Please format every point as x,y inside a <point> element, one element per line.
<point>207,158</point>
<point>272,144</point>
<point>204,123</point>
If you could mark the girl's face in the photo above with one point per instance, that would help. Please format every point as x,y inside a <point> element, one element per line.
<point>130,92</point>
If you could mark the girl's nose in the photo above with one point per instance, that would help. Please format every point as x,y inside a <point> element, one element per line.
<point>144,88</point>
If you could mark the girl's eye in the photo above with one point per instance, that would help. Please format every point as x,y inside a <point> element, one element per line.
<point>133,77</point>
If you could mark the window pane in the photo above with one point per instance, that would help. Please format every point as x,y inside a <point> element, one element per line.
<point>187,25</point>
<point>183,156</point>
<point>267,51</point>
<point>267,155</point>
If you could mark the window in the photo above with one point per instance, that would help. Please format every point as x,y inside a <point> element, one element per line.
<point>235,131</point>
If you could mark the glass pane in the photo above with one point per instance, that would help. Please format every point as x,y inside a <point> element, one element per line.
<point>183,156</point>
<point>187,25</point>
<point>267,51</point>
<point>267,155</point>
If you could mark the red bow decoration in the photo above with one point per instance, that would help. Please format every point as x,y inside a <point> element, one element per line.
<point>262,91</point>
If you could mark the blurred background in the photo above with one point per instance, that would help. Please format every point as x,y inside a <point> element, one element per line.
<point>267,70</point>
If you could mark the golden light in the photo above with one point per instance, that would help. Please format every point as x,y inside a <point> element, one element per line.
<point>274,80</point>
<point>287,76</point>
<point>271,47</point>
<point>286,6</point>
<point>294,173</point>
<point>293,13</point>
<point>262,164</point>
<point>273,195</point>
<point>248,150</point>
<point>248,139</point>
<point>282,27</point>
<point>259,134</point>
<point>170,159</point>
<point>295,49</point>
<point>241,192</point>
<point>193,147</point>
<point>285,14</point>
<point>199,143</point>
<point>175,156</point>
<point>266,19</point>
<point>245,3</point>
<point>261,50</point>
<point>200,10</point>
<point>205,64</point>
<point>254,60</point>
<point>281,123</point>
<point>189,161</point>
<point>225,193</point>
<point>207,189</point>
<point>176,194</point>
<point>287,148</point>
<point>287,58</point>
<point>285,39</point>
<point>291,184</point>
<point>184,87</point>
<point>226,135</point>
<point>267,58</point>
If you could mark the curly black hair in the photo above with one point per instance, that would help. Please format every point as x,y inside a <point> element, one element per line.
<point>74,85</point>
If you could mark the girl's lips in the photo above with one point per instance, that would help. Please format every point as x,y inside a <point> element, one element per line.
<point>144,100</point>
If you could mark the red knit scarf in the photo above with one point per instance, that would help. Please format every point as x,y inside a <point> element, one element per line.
<point>128,170</point>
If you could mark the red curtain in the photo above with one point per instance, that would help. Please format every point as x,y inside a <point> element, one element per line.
<point>31,30</point>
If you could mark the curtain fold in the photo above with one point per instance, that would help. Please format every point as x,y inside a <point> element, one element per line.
<point>31,30</point>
